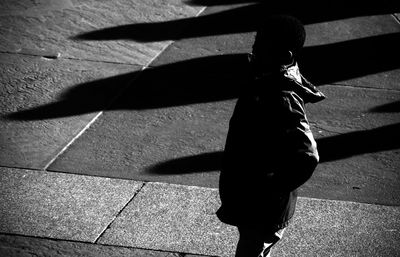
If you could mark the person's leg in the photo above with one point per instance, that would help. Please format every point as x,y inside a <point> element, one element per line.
<point>271,241</point>
<point>250,244</point>
<point>254,242</point>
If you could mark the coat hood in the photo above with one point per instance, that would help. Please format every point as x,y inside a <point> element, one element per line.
<point>307,91</point>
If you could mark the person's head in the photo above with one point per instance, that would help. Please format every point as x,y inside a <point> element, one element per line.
<point>277,42</point>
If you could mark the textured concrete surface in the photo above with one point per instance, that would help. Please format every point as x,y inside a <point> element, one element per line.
<point>333,228</point>
<point>23,246</point>
<point>203,43</point>
<point>180,218</point>
<point>52,100</point>
<point>36,28</point>
<point>173,121</point>
<point>357,140</point>
<point>126,144</point>
<point>62,206</point>
<point>63,62</point>
<point>172,218</point>
<point>358,146</point>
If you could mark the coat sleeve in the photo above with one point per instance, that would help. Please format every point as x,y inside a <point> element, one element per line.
<point>299,149</point>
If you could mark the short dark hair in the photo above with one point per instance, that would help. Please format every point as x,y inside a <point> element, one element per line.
<point>283,32</point>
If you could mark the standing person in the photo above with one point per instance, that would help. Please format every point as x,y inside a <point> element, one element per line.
<point>270,150</point>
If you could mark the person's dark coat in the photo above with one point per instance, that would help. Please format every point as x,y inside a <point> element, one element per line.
<point>269,152</point>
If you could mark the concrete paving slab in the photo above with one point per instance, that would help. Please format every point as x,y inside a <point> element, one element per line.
<point>198,43</point>
<point>22,246</point>
<point>181,144</point>
<point>61,206</point>
<point>51,101</point>
<point>351,28</point>
<point>348,109</point>
<point>334,228</point>
<point>357,51</point>
<point>172,218</point>
<point>181,218</point>
<point>127,143</point>
<point>358,147</point>
<point>48,27</point>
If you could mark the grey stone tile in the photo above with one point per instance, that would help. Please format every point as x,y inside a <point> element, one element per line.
<point>173,218</point>
<point>62,206</point>
<point>348,109</point>
<point>357,51</point>
<point>194,71</point>
<point>202,45</point>
<point>333,228</point>
<point>180,218</point>
<point>22,246</point>
<point>349,29</point>
<point>359,155</point>
<point>46,27</point>
<point>359,166</point>
<point>129,143</point>
<point>52,101</point>
<point>360,51</point>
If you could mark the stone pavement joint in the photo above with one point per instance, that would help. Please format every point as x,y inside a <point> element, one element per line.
<point>23,246</point>
<point>173,219</point>
<point>111,101</point>
<point>181,218</point>
<point>120,211</point>
<point>59,205</point>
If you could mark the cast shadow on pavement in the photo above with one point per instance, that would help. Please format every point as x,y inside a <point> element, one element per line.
<point>330,149</point>
<point>239,20</point>
<point>194,81</point>
<point>390,107</point>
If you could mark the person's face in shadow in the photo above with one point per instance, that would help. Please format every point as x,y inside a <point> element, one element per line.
<point>269,57</point>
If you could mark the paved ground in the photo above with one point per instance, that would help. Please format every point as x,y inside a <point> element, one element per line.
<point>114,116</point>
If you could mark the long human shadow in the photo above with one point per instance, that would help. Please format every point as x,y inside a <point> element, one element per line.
<point>390,107</point>
<point>330,149</point>
<point>215,78</point>
<point>238,20</point>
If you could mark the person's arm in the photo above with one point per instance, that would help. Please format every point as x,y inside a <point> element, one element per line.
<point>299,149</point>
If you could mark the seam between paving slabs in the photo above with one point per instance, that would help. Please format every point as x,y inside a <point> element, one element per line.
<point>90,243</point>
<point>396,17</point>
<point>359,87</point>
<point>119,213</point>
<point>117,95</point>
<point>54,56</point>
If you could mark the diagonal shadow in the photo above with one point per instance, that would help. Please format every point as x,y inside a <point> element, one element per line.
<point>182,83</point>
<point>330,149</point>
<point>239,20</point>
<point>215,78</point>
<point>390,107</point>
<point>351,59</point>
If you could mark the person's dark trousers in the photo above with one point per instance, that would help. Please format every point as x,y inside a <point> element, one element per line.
<point>256,242</point>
